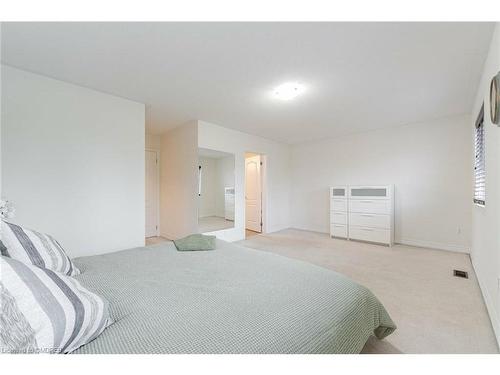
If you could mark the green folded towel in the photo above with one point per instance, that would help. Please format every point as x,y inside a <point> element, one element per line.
<point>195,242</point>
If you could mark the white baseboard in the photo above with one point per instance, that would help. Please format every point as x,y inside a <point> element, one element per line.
<point>168,236</point>
<point>311,229</point>
<point>433,245</point>
<point>407,241</point>
<point>488,302</point>
<point>277,228</point>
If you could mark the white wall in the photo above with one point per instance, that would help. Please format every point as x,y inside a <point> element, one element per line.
<point>179,181</point>
<point>206,202</point>
<point>429,164</point>
<point>486,220</point>
<point>153,141</point>
<point>1,118</point>
<point>277,215</point>
<point>73,162</point>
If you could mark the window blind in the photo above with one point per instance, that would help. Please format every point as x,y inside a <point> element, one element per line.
<point>479,166</point>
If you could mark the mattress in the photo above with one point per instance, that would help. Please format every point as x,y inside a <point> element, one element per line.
<point>229,300</point>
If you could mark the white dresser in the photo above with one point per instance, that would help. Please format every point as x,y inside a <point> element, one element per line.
<point>368,211</point>
<point>339,217</point>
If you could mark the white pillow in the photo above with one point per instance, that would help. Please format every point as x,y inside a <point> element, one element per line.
<point>35,248</point>
<point>46,312</point>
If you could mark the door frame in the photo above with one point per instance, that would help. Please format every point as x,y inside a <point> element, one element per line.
<point>263,189</point>
<point>157,152</point>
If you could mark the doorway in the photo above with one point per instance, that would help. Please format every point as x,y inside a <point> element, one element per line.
<point>152,193</point>
<point>254,186</point>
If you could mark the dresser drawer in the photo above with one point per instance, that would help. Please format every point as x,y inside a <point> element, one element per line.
<point>338,192</point>
<point>370,234</point>
<point>370,220</point>
<point>338,217</point>
<point>338,230</point>
<point>338,205</point>
<point>370,192</point>
<point>370,206</point>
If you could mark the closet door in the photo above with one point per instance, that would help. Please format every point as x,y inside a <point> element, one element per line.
<point>253,194</point>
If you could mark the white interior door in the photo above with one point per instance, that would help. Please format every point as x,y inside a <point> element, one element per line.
<point>253,194</point>
<point>152,192</point>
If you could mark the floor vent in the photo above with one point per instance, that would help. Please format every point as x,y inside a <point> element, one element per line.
<point>458,273</point>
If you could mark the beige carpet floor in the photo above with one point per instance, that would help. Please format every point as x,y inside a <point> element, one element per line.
<point>434,311</point>
<point>212,223</point>
<point>155,240</point>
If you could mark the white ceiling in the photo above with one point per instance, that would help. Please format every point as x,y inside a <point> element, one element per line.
<point>359,76</point>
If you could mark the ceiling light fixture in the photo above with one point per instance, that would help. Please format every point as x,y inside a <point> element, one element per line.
<point>288,90</point>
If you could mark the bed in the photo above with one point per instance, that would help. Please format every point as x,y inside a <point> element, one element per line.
<point>229,300</point>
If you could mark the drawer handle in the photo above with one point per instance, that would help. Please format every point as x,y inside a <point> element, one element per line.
<point>338,226</point>
<point>366,201</point>
<point>365,229</point>
<point>367,215</point>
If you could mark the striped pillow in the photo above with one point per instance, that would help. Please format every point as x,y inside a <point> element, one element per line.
<point>46,312</point>
<point>35,248</point>
<point>3,249</point>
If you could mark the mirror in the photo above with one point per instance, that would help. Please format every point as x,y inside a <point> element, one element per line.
<point>215,190</point>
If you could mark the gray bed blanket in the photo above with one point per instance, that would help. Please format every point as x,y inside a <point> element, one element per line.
<point>231,300</point>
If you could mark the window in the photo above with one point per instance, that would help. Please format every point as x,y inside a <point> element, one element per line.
<point>479,170</point>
